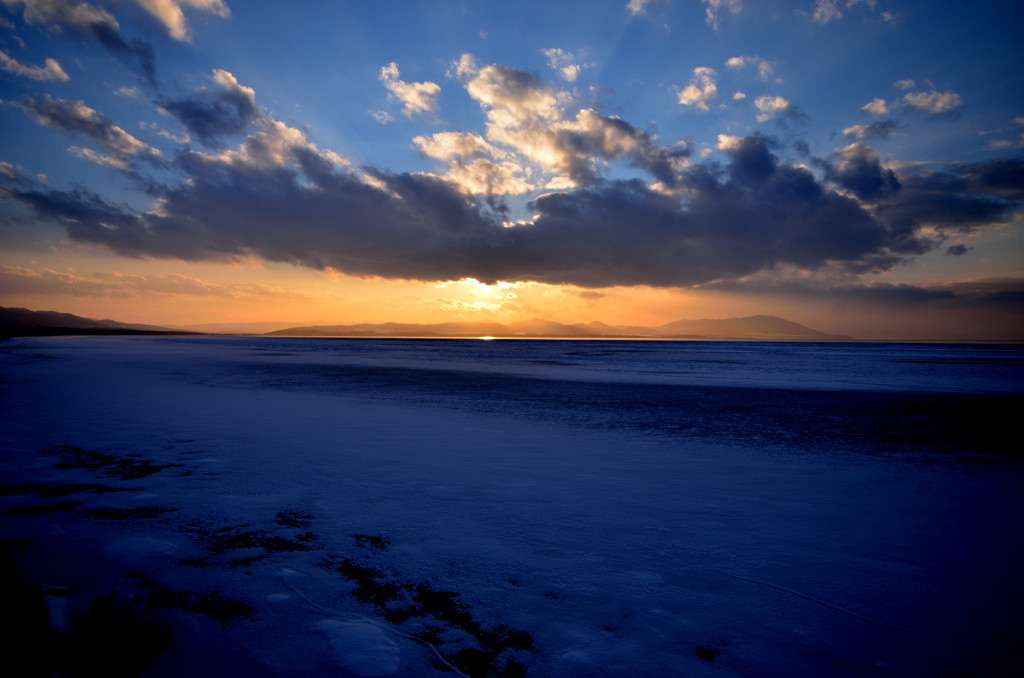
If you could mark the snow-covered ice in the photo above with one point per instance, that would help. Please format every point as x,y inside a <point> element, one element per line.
<point>294,507</point>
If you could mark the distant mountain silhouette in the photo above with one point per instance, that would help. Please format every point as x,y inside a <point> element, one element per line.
<point>23,322</point>
<point>761,327</point>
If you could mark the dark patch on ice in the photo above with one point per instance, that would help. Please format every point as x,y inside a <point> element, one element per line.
<point>230,539</point>
<point>134,513</point>
<point>293,518</point>
<point>399,601</point>
<point>45,510</point>
<point>110,465</point>
<point>372,541</point>
<point>225,611</point>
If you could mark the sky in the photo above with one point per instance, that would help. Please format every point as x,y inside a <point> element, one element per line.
<point>856,166</point>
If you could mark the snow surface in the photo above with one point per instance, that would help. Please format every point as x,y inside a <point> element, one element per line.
<point>632,508</point>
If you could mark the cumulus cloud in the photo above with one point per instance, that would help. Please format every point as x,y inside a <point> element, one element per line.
<point>476,166</point>
<point>752,214</point>
<point>829,10</point>
<point>78,119</point>
<point>905,84</point>
<point>861,172</point>
<point>882,129</point>
<point>771,107</point>
<point>639,6</point>
<point>83,19</point>
<point>170,15</point>
<point>765,69</point>
<point>876,107</point>
<point>277,196</point>
<point>564,63</point>
<point>213,113</point>
<point>826,10</point>
<point>532,119</point>
<point>418,98</point>
<point>715,7</point>
<point>50,71</point>
<point>701,90</point>
<point>956,197</point>
<point>933,102</point>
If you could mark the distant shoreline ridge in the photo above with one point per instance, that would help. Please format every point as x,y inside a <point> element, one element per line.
<point>21,322</point>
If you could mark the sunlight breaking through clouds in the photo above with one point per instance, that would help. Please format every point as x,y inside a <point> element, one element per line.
<point>595,155</point>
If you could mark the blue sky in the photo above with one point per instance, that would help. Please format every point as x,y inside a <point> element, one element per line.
<point>205,160</point>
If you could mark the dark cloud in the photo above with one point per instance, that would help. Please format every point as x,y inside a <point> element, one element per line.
<point>861,172</point>
<point>957,250</point>
<point>881,129</point>
<point>281,200</point>
<point>78,119</point>
<point>214,113</point>
<point>996,293</point>
<point>83,20</point>
<point>609,138</point>
<point>958,197</point>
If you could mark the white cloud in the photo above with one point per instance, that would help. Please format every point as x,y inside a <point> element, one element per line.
<point>933,102</point>
<point>51,71</point>
<point>739,96</point>
<point>826,10</point>
<point>448,145</point>
<point>714,7</point>
<point>418,98</point>
<point>128,92</point>
<point>8,170</point>
<point>562,62</point>
<point>1005,144</point>
<point>765,69</point>
<point>876,107</point>
<point>171,16</point>
<point>111,161</point>
<point>274,144</point>
<point>638,6</point>
<point>728,143</point>
<point>176,138</point>
<point>701,90</point>
<point>383,117</point>
<point>770,106</point>
<point>904,84</point>
<point>528,117</point>
<point>486,177</point>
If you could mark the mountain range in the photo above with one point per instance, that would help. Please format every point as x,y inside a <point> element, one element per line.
<point>763,327</point>
<point>20,321</point>
<point>23,322</point>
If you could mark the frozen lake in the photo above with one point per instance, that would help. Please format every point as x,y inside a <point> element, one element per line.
<point>307,507</point>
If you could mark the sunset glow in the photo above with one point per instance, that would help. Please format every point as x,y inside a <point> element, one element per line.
<point>221,163</point>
